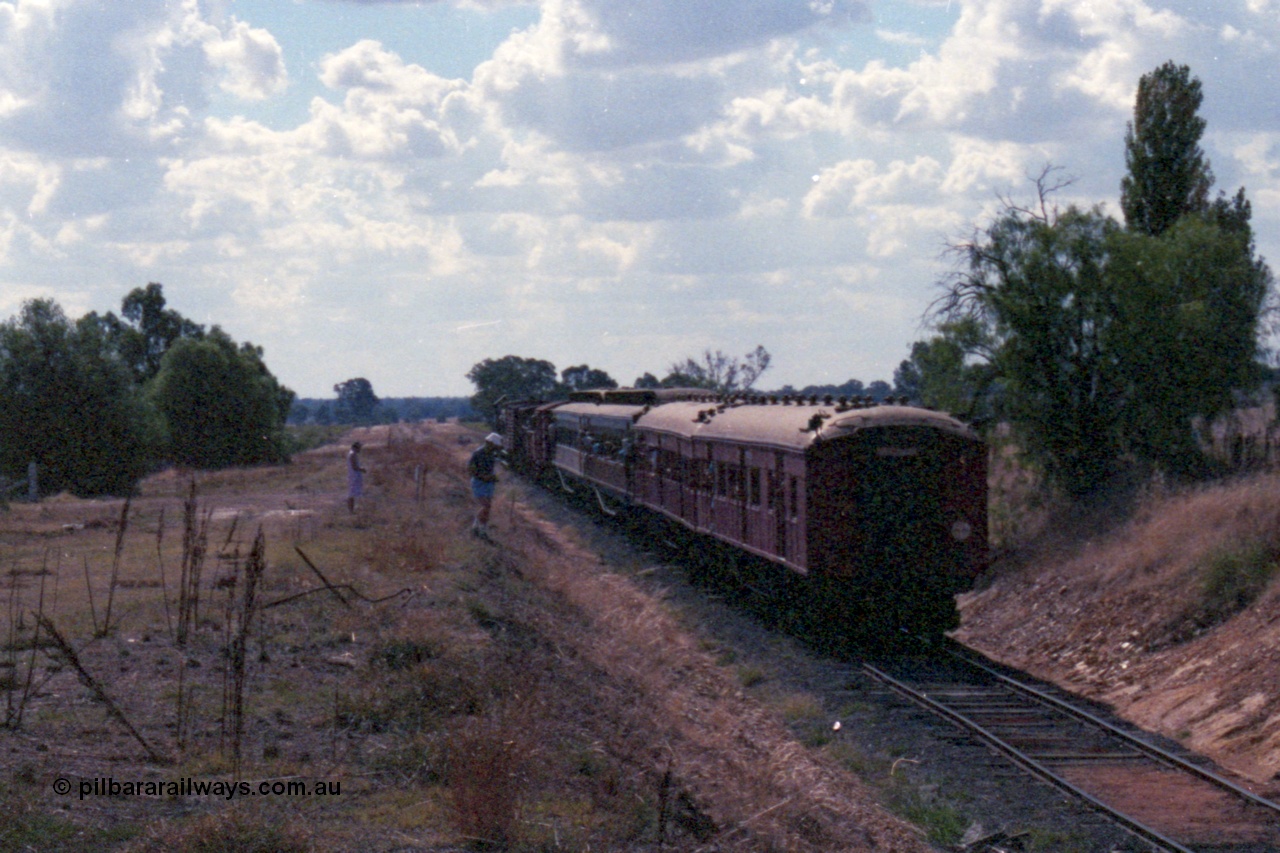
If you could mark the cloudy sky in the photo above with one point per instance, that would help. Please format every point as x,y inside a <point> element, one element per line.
<point>398,190</point>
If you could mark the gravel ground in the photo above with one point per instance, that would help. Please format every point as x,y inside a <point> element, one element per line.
<point>932,767</point>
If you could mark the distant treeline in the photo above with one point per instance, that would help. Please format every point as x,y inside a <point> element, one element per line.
<point>877,390</point>
<point>388,410</point>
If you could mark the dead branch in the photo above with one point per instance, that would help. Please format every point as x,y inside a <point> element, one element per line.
<point>324,580</point>
<point>69,655</point>
<point>334,589</point>
<point>121,528</point>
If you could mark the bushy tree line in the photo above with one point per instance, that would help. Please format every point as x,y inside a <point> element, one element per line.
<point>386,410</point>
<point>877,390</point>
<point>514,377</point>
<point>1099,342</point>
<point>98,402</point>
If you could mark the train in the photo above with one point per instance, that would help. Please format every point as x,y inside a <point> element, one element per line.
<point>875,512</point>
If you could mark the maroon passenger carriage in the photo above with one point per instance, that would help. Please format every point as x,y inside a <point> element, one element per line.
<point>881,509</point>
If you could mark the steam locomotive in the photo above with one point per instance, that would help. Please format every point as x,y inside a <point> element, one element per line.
<point>876,512</point>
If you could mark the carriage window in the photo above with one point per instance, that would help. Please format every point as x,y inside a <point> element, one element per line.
<point>755,486</point>
<point>722,479</point>
<point>795,498</point>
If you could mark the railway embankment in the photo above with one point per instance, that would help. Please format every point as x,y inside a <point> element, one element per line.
<point>1171,617</point>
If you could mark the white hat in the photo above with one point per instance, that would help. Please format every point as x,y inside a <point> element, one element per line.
<point>493,438</point>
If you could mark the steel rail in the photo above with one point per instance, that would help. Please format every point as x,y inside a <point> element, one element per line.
<point>1025,761</point>
<point>1139,744</point>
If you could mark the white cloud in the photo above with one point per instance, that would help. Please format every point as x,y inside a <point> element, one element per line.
<point>85,77</point>
<point>989,167</point>
<point>853,185</point>
<point>391,109</point>
<point>250,59</point>
<point>619,183</point>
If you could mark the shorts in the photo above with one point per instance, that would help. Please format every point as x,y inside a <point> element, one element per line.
<point>481,490</point>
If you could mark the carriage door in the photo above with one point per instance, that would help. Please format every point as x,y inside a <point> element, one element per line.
<point>778,504</point>
<point>703,476</point>
<point>795,511</point>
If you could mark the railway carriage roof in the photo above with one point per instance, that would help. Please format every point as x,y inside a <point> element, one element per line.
<point>786,426</point>
<point>599,412</point>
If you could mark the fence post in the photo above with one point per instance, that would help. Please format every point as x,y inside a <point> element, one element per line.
<point>33,488</point>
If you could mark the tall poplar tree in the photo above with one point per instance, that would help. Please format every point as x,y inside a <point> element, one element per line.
<point>1168,175</point>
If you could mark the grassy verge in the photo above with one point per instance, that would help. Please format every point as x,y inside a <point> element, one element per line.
<point>440,691</point>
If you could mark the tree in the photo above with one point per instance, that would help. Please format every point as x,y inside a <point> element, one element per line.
<point>1108,343</point>
<point>719,372</point>
<point>510,378</point>
<point>147,330</point>
<point>908,378</point>
<point>70,405</point>
<point>582,377</point>
<point>356,401</point>
<point>1191,301</point>
<point>879,389</point>
<point>1214,310</point>
<point>950,372</point>
<point>1168,175</point>
<point>220,404</point>
<point>1053,309</point>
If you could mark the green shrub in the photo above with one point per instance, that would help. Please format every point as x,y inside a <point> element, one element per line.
<point>1233,578</point>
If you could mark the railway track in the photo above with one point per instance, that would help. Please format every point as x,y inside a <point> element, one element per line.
<point>1167,801</point>
<point>1107,790</point>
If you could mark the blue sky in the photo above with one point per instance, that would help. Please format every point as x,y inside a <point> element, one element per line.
<point>398,190</point>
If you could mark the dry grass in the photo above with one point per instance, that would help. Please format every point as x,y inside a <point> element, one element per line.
<point>236,829</point>
<point>739,774</point>
<point>1186,549</point>
<point>514,697</point>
